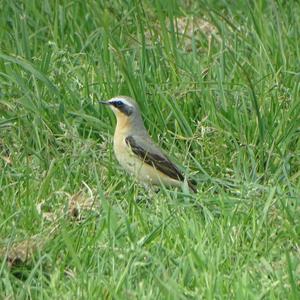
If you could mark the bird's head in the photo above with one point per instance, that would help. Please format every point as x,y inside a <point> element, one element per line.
<point>124,108</point>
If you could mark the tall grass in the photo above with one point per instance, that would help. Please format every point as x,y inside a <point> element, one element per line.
<point>218,84</point>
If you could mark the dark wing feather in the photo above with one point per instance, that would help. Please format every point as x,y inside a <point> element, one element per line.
<point>156,160</point>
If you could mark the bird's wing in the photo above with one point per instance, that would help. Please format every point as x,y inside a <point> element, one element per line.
<point>152,156</point>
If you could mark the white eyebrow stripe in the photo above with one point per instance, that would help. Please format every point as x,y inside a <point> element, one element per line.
<point>121,99</point>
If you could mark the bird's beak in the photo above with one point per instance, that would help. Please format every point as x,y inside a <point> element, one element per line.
<point>104,102</point>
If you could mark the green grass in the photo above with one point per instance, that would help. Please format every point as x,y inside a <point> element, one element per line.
<point>218,84</point>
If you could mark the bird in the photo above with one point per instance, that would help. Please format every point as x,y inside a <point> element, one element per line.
<point>135,150</point>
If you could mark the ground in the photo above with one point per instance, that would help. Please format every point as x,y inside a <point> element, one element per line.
<point>218,86</point>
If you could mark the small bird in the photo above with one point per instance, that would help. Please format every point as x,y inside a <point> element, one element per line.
<point>135,150</point>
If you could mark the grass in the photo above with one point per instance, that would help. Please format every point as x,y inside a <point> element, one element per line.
<point>218,84</point>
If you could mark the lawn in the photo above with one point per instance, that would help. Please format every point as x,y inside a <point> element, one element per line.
<point>218,85</point>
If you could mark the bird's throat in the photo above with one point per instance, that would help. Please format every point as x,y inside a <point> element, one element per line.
<point>124,124</point>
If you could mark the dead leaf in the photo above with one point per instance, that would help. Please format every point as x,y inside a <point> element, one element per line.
<point>186,27</point>
<point>7,159</point>
<point>19,252</point>
<point>79,203</point>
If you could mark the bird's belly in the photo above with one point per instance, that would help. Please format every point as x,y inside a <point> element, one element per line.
<point>141,171</point>
<point>133,165</point>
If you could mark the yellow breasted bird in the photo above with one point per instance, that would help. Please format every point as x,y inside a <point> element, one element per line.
<point>135,150</point>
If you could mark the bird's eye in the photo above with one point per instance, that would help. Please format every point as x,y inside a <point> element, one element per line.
<point>118,103</point>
